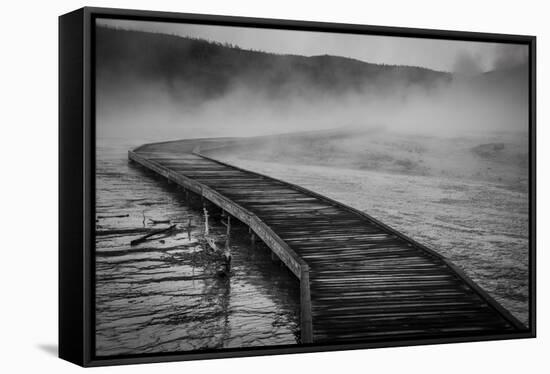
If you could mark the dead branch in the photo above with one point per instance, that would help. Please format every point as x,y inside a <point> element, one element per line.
<point>156,222</point>
<point>137,230</point>
<point>114,216</point>
<point>153,233</point>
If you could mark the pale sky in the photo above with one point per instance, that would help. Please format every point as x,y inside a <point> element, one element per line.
<point>443,55</point>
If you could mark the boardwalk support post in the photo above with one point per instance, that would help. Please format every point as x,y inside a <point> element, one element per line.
<point>252,239</point>
<point>227,231</point>
<point>206,229</point>
<point>306,325</point>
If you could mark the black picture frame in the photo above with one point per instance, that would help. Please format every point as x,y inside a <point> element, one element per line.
<point>77,180</point>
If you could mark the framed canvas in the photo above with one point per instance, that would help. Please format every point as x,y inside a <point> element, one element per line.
<point>235,186</point>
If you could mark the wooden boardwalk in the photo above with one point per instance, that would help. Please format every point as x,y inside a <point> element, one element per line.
<point>359,279</point>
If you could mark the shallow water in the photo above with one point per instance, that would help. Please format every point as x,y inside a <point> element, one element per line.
<point>166,294</point>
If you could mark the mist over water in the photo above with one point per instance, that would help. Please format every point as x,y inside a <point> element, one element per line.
<point>492,102</point>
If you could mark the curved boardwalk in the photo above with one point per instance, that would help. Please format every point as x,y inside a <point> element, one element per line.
<point>359,279</point>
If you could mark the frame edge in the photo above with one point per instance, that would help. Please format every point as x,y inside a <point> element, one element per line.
<point>71,252</point>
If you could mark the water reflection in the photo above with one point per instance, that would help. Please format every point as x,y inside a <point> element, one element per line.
<point>165,294</point>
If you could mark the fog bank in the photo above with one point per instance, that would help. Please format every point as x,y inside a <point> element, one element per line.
<point>157,87</point>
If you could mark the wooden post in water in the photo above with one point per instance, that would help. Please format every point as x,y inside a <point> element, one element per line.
<point>306,325</point>
<point>253,239</point>
<point>206,229</point>
<point>189,229</point>
<point>227,225</point>
<point>228,232</point>
<point>227,250</point>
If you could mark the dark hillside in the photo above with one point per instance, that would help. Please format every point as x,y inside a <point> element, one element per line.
<point>211,69</point>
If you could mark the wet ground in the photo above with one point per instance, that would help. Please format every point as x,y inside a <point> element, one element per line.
<point>167,294</point>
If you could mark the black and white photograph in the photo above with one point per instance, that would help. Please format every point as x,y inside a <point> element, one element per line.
<point>271,187</point>
<point>235,187</point>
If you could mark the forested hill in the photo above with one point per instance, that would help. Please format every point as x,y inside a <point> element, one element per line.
<point>209,69</point>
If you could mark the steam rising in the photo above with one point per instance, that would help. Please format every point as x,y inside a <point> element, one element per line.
<point>268,94</point>
<point>467,64</point>
<point>466,104</point>
<point>509,56</point>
